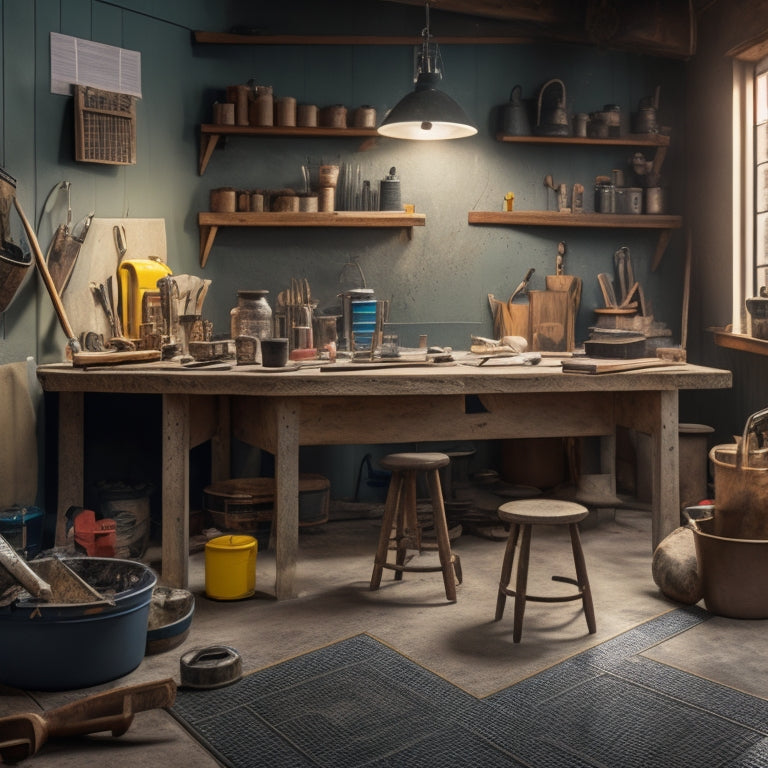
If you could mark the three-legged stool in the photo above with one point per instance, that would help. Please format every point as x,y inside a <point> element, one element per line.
<point>400,513</point>
<point>522,516</point>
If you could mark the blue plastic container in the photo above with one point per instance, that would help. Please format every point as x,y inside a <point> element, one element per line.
<point>23,529</point>
<point>58,647</point>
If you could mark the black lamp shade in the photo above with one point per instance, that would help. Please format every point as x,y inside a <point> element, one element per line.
<point>427,114</point>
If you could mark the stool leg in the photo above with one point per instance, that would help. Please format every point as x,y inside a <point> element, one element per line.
<point>391,507</point>
<point>521,585</point>
<point>441,531</point>
<point>506,569</point>
<point>583,579</point>
<point>407,521</point>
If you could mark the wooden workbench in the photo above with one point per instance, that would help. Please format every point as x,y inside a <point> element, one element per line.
<point>280,411</point>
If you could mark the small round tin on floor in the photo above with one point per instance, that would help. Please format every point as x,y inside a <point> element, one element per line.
<point>230,567</point>
<point>211,667</point>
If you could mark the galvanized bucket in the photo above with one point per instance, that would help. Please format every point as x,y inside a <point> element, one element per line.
<point>741,482</point>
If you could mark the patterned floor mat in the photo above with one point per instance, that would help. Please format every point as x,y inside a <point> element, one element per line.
<point>359,703</point>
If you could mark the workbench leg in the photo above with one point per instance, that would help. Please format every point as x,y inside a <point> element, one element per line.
<point>175,494</point>
<point>665,468</point>
<point>71,450</point>
<point>286,516</point>
<point>608,458</point>
<point>221,442</point>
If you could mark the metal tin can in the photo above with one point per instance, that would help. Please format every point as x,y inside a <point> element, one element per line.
<point>654,200</point>
<point>634,200</point>
<point>605,198</point>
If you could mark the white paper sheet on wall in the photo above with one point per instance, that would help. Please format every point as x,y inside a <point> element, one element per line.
<point>75,61</point>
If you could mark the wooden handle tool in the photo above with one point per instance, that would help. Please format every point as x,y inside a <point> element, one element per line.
<point>22,735</point>
<point>18,568</point>
<point>74,345</point>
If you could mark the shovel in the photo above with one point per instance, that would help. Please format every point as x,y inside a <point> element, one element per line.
<point>23,735</point>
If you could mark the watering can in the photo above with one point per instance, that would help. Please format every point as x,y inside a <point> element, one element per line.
<point>554,121</point>
<point>514,115</point>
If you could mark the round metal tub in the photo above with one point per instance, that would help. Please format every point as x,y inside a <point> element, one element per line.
<point>63,646</point>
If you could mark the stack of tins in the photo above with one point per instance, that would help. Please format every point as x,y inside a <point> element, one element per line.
<point>240,505</point>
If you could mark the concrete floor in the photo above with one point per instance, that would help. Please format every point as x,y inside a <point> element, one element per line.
<point>459,642</point>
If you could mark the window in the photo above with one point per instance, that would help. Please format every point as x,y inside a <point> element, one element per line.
<point>760,182</point>
<point>750,263</point>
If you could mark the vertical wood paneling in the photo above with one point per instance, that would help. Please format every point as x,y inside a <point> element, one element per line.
<point>18,330</point>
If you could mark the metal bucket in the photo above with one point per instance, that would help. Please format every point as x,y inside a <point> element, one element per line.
<point>741,483</point>
<point>733,572</point>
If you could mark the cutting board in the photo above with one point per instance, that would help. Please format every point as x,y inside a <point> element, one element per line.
<point>553,314</point>
<point>596,366</point>
<point>98,259</point>
<point>571,285</point>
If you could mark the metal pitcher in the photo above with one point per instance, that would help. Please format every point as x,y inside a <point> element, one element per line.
<point>554,122</point>
<point>514,115</point>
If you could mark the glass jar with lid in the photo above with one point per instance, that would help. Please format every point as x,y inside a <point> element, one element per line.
<point>252,316</point>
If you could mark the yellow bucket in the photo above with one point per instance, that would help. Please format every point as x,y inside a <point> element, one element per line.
<point>230,567</point>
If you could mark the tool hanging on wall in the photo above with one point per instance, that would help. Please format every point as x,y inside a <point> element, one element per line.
<point>72,342</point>
<point>66,242</point>
<point>79,358</point>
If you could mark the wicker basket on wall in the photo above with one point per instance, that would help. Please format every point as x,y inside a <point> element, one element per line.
<point>105,126</point>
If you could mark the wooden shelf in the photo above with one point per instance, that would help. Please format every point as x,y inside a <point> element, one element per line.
<point>231,38</point>
<point>630,140</point>
<point>657,140</point>
<point>665,224</point>
<point>740,341</point>
<point>209,223</point>
<point>211,133</point>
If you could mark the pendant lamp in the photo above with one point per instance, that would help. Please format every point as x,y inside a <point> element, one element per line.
<point>427,114</point>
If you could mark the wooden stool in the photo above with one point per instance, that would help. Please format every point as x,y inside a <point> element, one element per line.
<point>522,516</point>
<point>400,514</point>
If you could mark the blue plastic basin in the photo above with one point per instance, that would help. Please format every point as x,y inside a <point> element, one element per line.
<point>57,647</point>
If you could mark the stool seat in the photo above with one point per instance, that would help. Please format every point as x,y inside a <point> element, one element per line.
<point>400,513</point>
<point>522,515</point>
<point>542,512</point>
<point>419,462</point>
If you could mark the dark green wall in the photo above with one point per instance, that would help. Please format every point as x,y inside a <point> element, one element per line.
<point>438,281</point>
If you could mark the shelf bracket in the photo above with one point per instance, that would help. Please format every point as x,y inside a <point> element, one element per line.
<point>207,236</point>
<point>661,246</point>
<point>208,142</point>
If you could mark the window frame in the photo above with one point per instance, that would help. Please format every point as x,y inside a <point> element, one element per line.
<point>759,122</point>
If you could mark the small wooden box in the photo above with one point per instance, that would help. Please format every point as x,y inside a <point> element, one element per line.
<point>105,126</point>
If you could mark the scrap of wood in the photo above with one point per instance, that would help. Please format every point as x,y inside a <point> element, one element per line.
<point>628,297</point>
<point>606,286</point>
